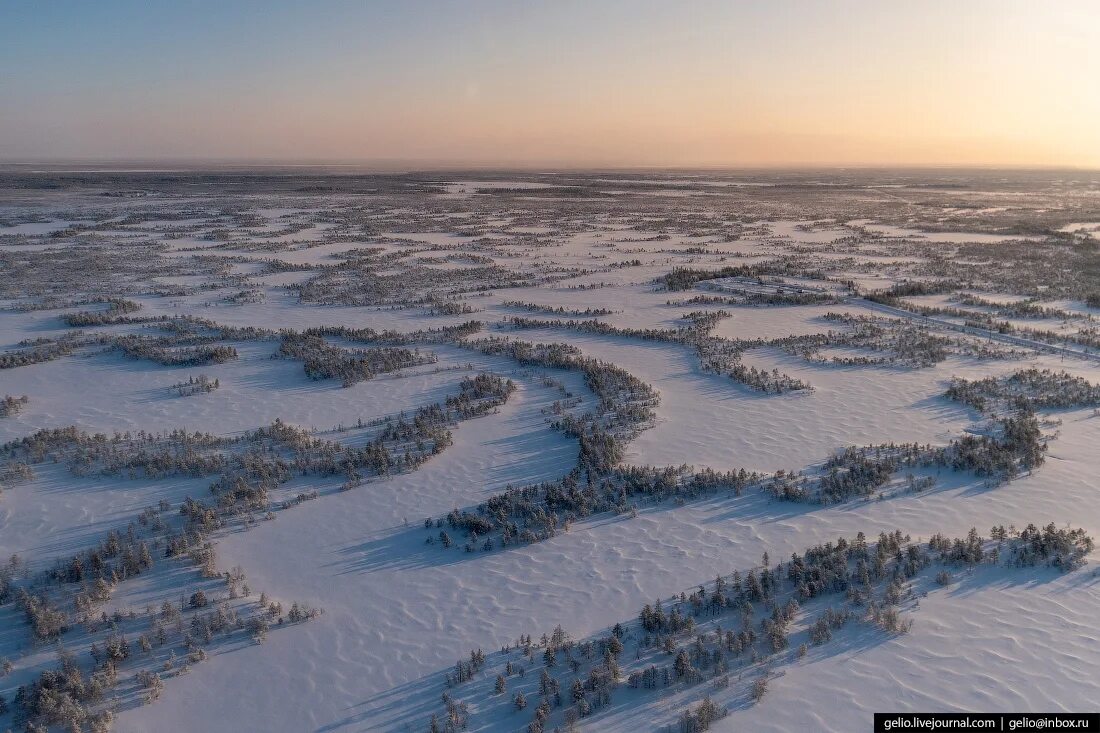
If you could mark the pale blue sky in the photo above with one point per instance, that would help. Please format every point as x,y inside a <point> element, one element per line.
<point>615,82</point>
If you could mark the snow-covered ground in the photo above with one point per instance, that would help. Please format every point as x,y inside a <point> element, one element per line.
<point>398,612</point>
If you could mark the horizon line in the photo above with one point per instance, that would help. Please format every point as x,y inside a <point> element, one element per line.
<point>415,165</point>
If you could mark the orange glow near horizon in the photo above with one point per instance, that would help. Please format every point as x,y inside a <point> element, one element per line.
<point>566,84</point>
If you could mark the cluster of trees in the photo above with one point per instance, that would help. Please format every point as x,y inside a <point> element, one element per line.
<point>13,405</point>
<point>46,621</point>
<point>533,513</point>
<point>460,257</point>
<point>821,630</point>
<point>39,350</point>
<point>705,300</point>
<point>196,385</point>
<point>912,288</point>
<point>548,356</point>
<point>741,625</point>
<point>784,298</point>
<point>207,331</point>
<point>906,343</point>
<point>98,267</point>
<point>1017,446</point>
<point>1032,389</point>
<point>715,354</point>
<point>73,699</point>
<point>478,395</point>
<point>1029,308</point>
<point>456,717</point>
<point>773,382</point>
<point>86,579</point>
<point>427,430</point>
<point>156,455</point>
<point>558,310</point>
<point>704,321</point>
<point>67,595</point>
<point>971,318</point>
<point>323,360</point>
<point>624,402</point>
<point>67,697</point>
<point>165,352</point>
<point>702,717</point>
<point>441,335</point>
<point>99,568</point>
<point>52,302</point>
<point>264,457</point>
<point>190,341</point>
<point>1087,337</point>
<point>441,307</point>
<point>683,278</point>
<point>116,307</point>
<point>724,356</point>
<point>539,511</point>
<point>465,669</point>
<point>13,472</point>
<point>1014,446</point>
<point>850,474</point>
<point>363,281</point>
<point>602,328</point>
<point>597,484</point>
<point>698,323</point>
<point>1064,549</point>
<point>241,297</point>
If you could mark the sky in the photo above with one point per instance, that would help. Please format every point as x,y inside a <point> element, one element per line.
<point>561,83</point>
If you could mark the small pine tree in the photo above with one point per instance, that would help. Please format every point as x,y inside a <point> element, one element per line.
<point>759,688</point>
<point>682,663</point>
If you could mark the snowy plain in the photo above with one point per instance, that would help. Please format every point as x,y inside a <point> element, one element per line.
<point>397,612</point>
